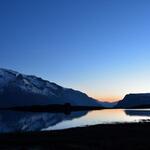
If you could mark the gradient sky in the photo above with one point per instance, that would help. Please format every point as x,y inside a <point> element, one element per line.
<point>101,47</point>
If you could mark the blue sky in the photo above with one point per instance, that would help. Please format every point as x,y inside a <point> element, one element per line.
<point>101,47</point>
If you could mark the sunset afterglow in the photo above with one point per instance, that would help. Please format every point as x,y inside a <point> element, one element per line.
<point>100,47</point>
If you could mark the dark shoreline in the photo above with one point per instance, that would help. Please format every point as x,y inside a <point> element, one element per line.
<point>106,137</point>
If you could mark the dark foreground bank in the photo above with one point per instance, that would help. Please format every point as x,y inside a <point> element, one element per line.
<point>99,137</point>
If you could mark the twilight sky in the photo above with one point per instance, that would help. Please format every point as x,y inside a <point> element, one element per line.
<point>101,47</point>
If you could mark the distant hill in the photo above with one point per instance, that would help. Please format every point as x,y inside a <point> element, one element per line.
<point>17,89</point>
<point>109,104</point>
<point>135,101</point>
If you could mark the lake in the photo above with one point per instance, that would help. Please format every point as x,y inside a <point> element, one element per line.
<point>15,121</point>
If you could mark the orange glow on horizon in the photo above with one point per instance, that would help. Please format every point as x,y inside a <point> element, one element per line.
<point>104,97</point>
<point>109,99</point>
<point>108,96</point>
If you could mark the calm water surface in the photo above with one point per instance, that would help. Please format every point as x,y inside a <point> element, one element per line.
<point>107,116</point>
<point>11,121</point>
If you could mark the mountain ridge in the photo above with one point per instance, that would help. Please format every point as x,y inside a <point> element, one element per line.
<point>134,100</point>
<point>17,89</point>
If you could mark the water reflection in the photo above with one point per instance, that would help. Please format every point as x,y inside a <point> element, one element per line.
<point>11,121</point>
<point>138,112</point>
<point>107,116</point>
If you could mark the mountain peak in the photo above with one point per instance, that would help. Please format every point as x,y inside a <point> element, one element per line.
<point>18,89</point>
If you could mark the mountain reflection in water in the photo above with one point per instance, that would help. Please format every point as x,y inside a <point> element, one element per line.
<point>15,121</point>
<point>138,112</point>
<point>11,121</point>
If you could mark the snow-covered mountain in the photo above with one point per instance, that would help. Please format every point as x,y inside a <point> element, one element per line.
<point>17,89</point>
<point>133,100</point>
